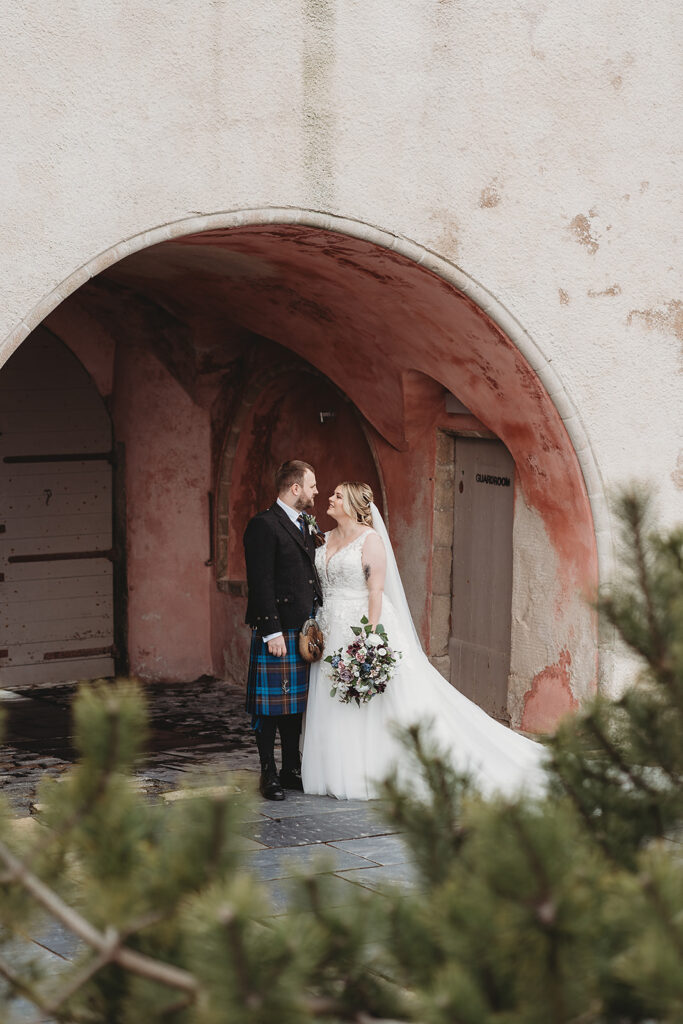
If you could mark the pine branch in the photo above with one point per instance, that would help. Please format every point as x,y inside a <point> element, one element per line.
<point>617,759</point>
<point>545,913</point>
<point>240,959</point>
<point>318,1006</point>
<point>18,983</point>
<point>177,1006</point>
<point>655,897</point>
<point>34,997</point>
<point>82,810</point>
<point>644,581</point>
<point>136,963</point>
<point>79,980</point>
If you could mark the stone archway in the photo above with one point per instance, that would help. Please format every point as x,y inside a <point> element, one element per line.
<point>396,328</point>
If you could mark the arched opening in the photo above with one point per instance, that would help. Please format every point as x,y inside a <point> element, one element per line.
<point>56,457</point>
<point>185,326</point>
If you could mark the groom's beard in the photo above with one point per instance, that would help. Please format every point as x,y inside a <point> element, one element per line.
<point>305,504</point>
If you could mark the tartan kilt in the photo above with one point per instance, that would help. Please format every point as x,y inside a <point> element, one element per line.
<point>276,686</point>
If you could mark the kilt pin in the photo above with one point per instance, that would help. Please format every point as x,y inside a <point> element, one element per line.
<point>283,591</point>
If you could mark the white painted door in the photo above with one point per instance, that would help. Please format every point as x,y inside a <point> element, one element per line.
<point>55,519</point>
<point>482,573</point>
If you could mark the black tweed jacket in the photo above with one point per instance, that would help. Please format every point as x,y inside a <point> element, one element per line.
<point>282,580</point>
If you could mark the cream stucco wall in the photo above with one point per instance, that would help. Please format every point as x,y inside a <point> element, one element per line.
<point>533,144</point>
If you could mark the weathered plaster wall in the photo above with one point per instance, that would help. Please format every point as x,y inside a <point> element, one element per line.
<point>167,439</point>
<point>535,146</point>
<point>550,673</point>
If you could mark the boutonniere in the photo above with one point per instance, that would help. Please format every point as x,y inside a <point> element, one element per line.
<point>314,529</point>
<point>311,523</point>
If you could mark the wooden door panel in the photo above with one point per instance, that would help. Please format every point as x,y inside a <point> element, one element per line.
<point>35,443</point>
<point>17,401</point>
<point>25,547</point>
<point>62,503</point>
<point>89,667</point>
<point>61,588</point>
<point>75,525</point>
<point>57,631</point>
<point>81,568</point>
<point>482,573</point>
<point>57,503</point>
<point>50,609</point>
<point>22,473</point>
<point>28,419</point>
<point>48,652</point>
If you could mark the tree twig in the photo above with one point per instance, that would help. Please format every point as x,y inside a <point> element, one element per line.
<point>136,963</point>
<point>17,982</point>
<point>78,981</point>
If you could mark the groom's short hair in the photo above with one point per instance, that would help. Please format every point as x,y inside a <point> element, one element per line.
<point>291,472</point>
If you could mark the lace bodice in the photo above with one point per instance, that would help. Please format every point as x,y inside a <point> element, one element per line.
<point>342,573</point>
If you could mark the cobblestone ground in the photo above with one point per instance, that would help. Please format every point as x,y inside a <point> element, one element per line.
<point>201,727</point>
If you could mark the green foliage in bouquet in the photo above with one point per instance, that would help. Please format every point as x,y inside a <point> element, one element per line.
<point>563,909</point>
<point>366,627</point>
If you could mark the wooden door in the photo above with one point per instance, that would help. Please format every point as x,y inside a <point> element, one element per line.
<point>482,573</point>
<point>55,519</point>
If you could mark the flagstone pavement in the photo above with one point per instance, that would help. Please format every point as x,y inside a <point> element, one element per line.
<point>200,730</point>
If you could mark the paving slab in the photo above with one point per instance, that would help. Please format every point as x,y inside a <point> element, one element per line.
<point>382,877</point>
<point>389,849</point>
<point>283,862</point>
<point>297,804</point>
<point>305,829</point>
<point>49,966</point>
<point>282,893</point>
<point>57,939</point>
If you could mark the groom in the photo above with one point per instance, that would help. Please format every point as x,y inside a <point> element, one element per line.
<point>283,586</point>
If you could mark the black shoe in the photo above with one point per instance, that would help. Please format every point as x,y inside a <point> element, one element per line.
<point>290,778</point>
<point>269,785</point>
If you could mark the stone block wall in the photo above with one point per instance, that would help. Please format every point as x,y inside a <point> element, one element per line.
<point>442,566</point>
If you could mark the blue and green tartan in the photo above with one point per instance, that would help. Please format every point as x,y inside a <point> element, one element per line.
<point>276,686</point>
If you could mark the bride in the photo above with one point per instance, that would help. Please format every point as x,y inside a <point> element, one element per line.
<point>348,749</point>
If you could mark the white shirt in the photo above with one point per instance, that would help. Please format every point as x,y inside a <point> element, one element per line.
<point>293,514</point>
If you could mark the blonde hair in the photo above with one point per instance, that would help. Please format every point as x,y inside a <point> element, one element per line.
<point>356,501</point>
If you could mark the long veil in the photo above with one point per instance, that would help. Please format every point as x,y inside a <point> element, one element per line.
<point>499,758</point>
<point>393,587</point>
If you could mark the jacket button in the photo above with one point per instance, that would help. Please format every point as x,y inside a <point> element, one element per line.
<point>310,581</point>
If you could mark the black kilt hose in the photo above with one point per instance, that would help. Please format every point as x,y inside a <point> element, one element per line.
<point>284,589</point>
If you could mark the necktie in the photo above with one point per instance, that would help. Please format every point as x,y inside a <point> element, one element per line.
<point>300,521</point>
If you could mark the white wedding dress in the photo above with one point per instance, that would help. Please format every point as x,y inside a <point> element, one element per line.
<point>348,749</point>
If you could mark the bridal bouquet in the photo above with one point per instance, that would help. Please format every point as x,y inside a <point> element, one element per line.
<point>364,668</point>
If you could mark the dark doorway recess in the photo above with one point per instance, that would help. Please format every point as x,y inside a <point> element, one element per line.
<point>297,415</point>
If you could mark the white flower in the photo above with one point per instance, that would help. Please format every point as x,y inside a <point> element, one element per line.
<point>382,651</point>
<point>373,640</point>
<point>362,654</point>
<point>311,523</point>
